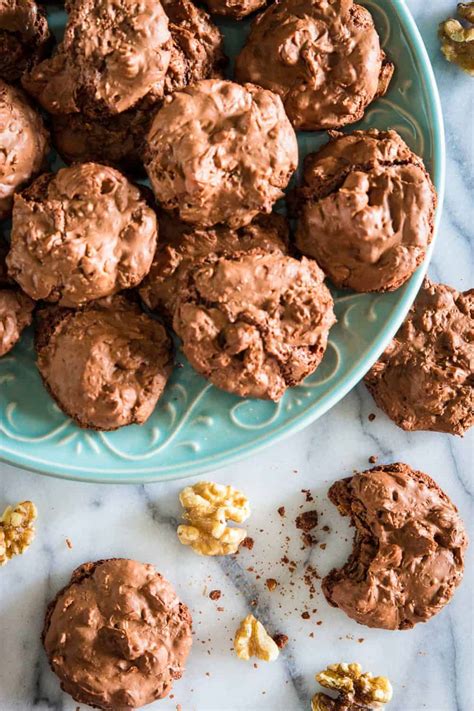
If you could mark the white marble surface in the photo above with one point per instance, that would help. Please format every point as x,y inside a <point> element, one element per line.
<point>431,666</point>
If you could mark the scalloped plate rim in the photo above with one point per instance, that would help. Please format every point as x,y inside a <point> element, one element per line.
<point>341,388</point>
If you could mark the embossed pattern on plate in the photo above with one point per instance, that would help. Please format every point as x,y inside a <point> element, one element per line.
<point>195,426</point>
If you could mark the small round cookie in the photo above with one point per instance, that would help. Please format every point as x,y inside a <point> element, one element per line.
<point>366,211</point>
<point>323,57</point>
<point>196,53</point>
<point>218,152</point>
<point>409,545</point>
<point>81,234</point>
<point>237,9</point>
<point>16,313</point>
<point>254,323</point>
<point>424,380</point>
<point>105,365</point>
<point>24,143</point>
<point>111,56</point>
<point>181,245</point>
<point>24,37</point>
<point>117,636</point>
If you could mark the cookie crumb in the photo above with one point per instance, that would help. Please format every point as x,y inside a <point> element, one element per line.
<point>247,543</point>
<point>307,521</point>
<point>215,594</point>
<point>371,417</point>
<point>271,584</point>
<point>69,543</point>
<point>282,511</point>
<point>281,640</point>
<point>305,615</point>
<point>373,459</point>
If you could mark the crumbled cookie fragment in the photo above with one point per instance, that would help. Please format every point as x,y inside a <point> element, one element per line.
<point>215,594</point>
<point>252,640</point>
<point>307,521</point>
<point>271,584</point>
<point>208,507</point>
<point>357,690</point>
<point>281,640</point>
<point>457,40</point>
<point>16,530</point>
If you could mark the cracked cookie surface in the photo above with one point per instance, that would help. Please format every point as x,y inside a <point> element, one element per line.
<point>424,380</point>
<point>366,210</point>
<point>196,53</point>
<point>181,245</point>
<point>219,152</point>
<point>81,234</point>
<point>254,323</point>
<point>117,635</point>
<point>105,365</point>
<point>408,550</point>
<point>322,57</point>
<point>24,37</point>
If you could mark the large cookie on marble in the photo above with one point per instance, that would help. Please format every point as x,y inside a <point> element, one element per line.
<point>409,545</point>
<point>117,635</point>
<point>424,380</point>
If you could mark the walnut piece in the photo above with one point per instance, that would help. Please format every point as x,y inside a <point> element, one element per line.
<point>356,690</point>
<point>16,530</point>
<point>252,640</point>
<point>208,508</point>
<point>457,40</point>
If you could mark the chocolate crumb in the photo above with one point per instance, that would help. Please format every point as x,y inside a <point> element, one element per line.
<point>361,639</point>
<point>220,609</point>
<point>247,543</point>
<point>373,459</point>
<point>271,584</point>
<point>215,594</point>
<point>308,495</point>
<point>371,417</point>
<point>326,528</point>
<point>281,640</point>
<point>305,615</point>
<point>307,521</point>
<point>307,539</point>
<point>282,511</point>
<point>322,546</point>
<point>69,543</point>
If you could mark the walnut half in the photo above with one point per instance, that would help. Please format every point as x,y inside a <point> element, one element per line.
<point>457,40</point>
<point>208,508</point>
<point>252,640</point>
<point>16,530</point>
<point>357,690</point>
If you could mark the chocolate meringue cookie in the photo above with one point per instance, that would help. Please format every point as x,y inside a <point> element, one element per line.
<point>111,56</point>
<point>181,245</point>
<point>117,636</point>
<point>366,210</point>
<point>425,378</point>
<point>24,37</point>
<point>218,152</point>
<point>254,323</point>
<point>237,9</point>
<point>105,365</point>
<point>16,309</point>
<point>24,142</point>
<point>16,313</point>
<point>81,234</point>
<point>196,53</point>
<point>409,546</point>
<point>323,57</point>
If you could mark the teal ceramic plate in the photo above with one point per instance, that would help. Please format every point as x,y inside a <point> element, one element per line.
<point>196,427</point>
